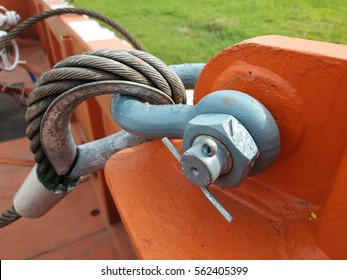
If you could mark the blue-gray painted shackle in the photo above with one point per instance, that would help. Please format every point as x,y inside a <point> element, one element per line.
<point>158,121</point>
<point>57,140</point>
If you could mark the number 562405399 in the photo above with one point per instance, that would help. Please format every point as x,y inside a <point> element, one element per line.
<point>232,270</point>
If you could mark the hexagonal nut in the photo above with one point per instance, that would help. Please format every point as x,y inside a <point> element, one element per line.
<point>234,137</point>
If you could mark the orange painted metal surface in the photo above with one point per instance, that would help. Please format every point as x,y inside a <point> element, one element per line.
<point>68,231</point>
<point>294,210</point>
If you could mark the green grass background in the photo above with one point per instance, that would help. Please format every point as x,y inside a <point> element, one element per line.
<point>179,31</point>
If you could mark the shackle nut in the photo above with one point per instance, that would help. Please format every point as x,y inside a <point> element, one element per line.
<point>205,161</point>
<point>232,135</point>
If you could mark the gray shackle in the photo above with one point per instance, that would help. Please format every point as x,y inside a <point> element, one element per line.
<point>36,196</point>
<point>74,161</point>
<point>158,121</point>
<point>59,144</point>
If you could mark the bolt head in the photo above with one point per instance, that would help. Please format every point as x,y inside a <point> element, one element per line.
<point>234,136</point>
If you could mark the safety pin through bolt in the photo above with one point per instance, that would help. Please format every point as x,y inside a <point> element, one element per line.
<point>204,188</point>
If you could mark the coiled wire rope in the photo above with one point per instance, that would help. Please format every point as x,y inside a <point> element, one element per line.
<point>9,216</point>
<point>69,10</point>
<point>99,65</point>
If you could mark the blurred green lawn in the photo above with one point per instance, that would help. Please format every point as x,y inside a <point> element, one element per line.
<point>179,31</point>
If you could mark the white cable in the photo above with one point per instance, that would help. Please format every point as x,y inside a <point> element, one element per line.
<point>3,8</point>
<point>7,20</point>
<point>8,66</point>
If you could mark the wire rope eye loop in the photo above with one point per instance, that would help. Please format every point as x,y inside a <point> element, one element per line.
<point>56,137</point>
<point>77,78</point>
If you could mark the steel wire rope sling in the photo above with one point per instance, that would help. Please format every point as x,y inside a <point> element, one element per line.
<point>103,65</point>
<point>70,10</point>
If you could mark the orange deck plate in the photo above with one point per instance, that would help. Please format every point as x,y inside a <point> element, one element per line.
<point>68,231</point>
<point>169,218</point>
